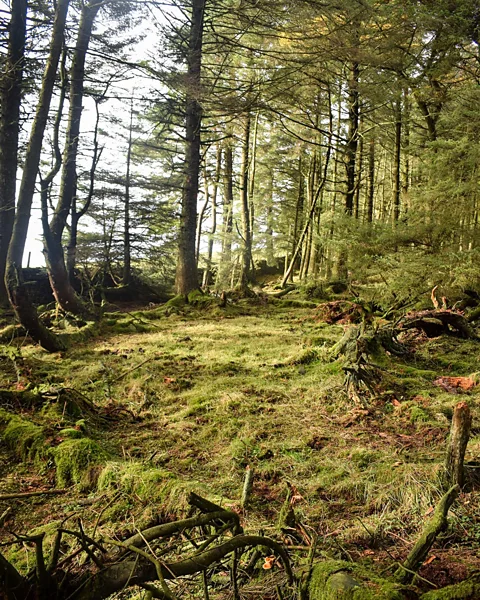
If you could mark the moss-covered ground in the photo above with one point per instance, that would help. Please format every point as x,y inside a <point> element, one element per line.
<point>188,396</point>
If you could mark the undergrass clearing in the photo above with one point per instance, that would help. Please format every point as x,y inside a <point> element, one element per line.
<point>199,394</point>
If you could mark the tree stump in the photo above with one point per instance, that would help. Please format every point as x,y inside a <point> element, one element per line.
<point>457,445</point>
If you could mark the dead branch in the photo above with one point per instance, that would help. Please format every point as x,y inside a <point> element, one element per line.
<point>20,495</point>
<point>437,524</point>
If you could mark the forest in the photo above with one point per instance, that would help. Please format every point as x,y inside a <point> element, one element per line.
<point>245,362</point>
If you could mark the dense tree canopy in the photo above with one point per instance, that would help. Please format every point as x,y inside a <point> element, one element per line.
<point>329,139</point>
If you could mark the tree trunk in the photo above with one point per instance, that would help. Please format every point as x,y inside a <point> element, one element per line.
<point>201,216</point>
<point>269,244</point>
<point>187,276</point>
<point>127,266</point>
<point>352,141</point>
<point>371,180</point>
<point>224,269</point>
<point>10,100</point>
<point>397,161</point>
<point>54,257</point>
<point>77,215</point>
<point>246,275</point>
<point>17,290</point>
<point>314,200</point>
<point>207,276</point>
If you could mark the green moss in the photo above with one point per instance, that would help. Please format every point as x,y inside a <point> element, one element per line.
<point>25,438</point>
<point>418,415</point>
<point>338,580</point>
<point>151,485</point>
<point>176,302</point>
<point>70,433</point>
<point>466,590</point>
<point>363,458</point>
<point>76,460</point>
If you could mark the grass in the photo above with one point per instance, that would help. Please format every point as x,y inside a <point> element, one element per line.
<point>201,393</point>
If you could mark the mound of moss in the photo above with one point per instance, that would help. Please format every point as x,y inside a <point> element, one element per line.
<point>23,437</point>
<point>335,580</point>
<point>77,462</point>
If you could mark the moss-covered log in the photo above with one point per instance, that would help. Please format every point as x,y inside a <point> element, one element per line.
<point>466,590</point>
<point>436,525</point>
<point>338,580</point>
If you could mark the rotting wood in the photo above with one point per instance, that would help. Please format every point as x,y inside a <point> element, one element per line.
<point>438,322</point>
<point>457,445</point>
<point>247,487</point>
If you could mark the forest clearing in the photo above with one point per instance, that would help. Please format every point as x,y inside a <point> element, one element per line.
<point>187,398</point>
<point>239,299</point>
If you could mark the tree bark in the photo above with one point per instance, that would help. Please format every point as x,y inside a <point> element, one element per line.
<point>187,276</point>
<point>17,290</point>
<point>10,100</point>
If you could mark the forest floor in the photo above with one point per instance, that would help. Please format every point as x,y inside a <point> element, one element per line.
<point>187,399</point>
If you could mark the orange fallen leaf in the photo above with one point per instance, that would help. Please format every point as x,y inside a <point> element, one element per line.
<point>429,511</point>
<point>429,560</point>
<point>269,561</point>
<point>395,402</point>
<point>451,384</point>
<point>168,380</point>
<point>368,553</point>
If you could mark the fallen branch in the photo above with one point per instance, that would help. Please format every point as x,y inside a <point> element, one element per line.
<point>31,494</point>
<point>437,524</point>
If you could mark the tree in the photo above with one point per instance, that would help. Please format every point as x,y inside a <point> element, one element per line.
<point>187,276</point>
<point>56,266</point>
<point>17,290</point>
<point>10,100</point>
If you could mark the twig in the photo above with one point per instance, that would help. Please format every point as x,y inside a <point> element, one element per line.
<point>5,515</point>
<point>133,369</point>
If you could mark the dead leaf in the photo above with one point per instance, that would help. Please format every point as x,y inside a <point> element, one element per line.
<point>429,560</point>
<point>429,511</point>
<point>368,553</point>
<point>269,562</point>
<point>395,402</point>
<point>453,384</point>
